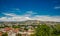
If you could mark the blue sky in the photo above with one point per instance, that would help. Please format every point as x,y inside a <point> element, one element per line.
<point>29,8</point>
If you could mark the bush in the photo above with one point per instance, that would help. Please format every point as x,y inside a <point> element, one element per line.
<point>42,30</point>
<point>4,34</point>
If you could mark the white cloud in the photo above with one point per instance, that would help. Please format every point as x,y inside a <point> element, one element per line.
<point>47,18</point>
<point>57,7</point>
<point>14,17</point>
<point>24,18</point>
<point>29,13</point>
<point>10,14</point>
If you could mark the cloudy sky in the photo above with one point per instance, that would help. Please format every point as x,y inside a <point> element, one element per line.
<point>22,10</point>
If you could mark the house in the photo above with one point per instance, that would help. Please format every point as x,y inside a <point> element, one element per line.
<point>0,33</point>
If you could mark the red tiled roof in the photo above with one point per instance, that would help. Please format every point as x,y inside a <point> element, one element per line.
<point>16,30</point>
<point>7,29</point>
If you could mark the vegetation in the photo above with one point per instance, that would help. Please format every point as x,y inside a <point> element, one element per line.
<point>45,30</point>
<point>4,34</point>
<point>41,30</point>
<point>18,34</point>
<point>15,26</point>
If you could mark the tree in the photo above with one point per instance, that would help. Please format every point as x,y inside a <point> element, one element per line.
<point>56,30</point>
<point>18,34</point>
<point>16,26</point>
<point>4,34</point>
<point>42,30</point>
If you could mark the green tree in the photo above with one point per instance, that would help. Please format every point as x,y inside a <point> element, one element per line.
<point>16,26</point>
<point>56,30</point>
<point>42,30</point>
<point>18,34</point>
<point>4,34</point>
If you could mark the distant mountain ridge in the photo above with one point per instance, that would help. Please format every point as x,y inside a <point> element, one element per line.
<point>31,22</point>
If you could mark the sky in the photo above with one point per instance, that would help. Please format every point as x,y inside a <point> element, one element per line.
<point>22,10</point>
